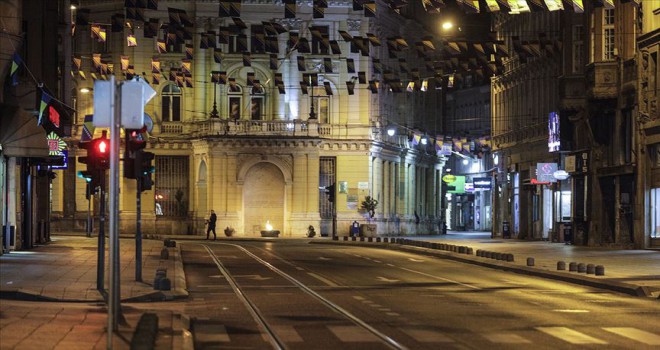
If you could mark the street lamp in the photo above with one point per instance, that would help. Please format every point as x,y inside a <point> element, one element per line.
<point>312,114</point>
<point>215,79</point>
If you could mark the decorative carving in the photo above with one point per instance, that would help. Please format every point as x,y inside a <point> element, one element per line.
<point>354,24</point>
<point>289,23</point>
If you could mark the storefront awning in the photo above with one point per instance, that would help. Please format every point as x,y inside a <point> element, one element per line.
<point>20,136</point>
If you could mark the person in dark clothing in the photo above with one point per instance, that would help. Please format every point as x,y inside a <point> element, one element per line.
<point>211,225</point>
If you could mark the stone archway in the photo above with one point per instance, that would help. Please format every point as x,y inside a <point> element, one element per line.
<point>263,198</point>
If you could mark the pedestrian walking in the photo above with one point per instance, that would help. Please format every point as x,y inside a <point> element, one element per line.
<point>211,225</point>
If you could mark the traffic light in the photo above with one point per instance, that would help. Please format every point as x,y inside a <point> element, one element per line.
<point>330,191</point>
<point>101,152</point>
<point>135,142</point>
<point>91,179</point>
<point>144,168</point>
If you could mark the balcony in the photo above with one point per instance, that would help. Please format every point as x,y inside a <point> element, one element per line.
<point>602,80</point>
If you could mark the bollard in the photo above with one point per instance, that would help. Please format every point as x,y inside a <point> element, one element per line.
<point>498,256</point>
<point>582,268</point>
<point>572,266</point>
<point>486,254</point>
<point>479,251</point>
<point>461,250</point>
<point>591,269</point>
<point>561,265</point>
<point>530,261</point>
<point>600,270</point>
<point>468,251</point>
<point>509,257</point>
<point>164,254</point>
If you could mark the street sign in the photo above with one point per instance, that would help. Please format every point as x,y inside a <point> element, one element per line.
<point>449,178</point>
<point>104,102</point>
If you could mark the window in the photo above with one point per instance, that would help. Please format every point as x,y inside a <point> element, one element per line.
<point>235,101</point>
<point>237,40</point>
<point>171,103</point>
<point>256,103</point>
<point>327,178</point>
<point>171,186</point>
<point>608,35</point>
<point>578,48</point>
<point>322,108</point>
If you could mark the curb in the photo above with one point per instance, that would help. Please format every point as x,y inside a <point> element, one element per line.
<point>427,248</point>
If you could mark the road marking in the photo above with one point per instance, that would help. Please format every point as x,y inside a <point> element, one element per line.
<point>426,336</point>
<point>323,279</point>
<point>352,334</point>
<point>392,314</point>
<point>288,334</point>
<point>384,279</point>
<point>388,264</point>
<point>207,333</point>
<point>440,278</point>
<point>324,258</point>
<point>571,311</point>
<point>217,276</point>
<point>253,277</point>
<point>570,335</point>
<point>357,297</point>
<point>299,268</point>
<point>506,338</point>
<point>635,334</point>
<point>416,260</point>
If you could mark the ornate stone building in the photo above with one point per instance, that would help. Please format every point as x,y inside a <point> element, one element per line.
<point>260,144</point>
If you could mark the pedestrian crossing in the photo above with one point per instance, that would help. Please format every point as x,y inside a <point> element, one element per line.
<point>633,337</point>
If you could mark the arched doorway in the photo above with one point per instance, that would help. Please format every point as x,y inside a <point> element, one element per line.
<point>263,198</point>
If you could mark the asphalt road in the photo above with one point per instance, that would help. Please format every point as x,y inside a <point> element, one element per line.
<point>337,297</point>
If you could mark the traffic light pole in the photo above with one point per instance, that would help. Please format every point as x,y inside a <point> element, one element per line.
<point>100,260</point>
<point>138,233</point>
<point>113,245</point>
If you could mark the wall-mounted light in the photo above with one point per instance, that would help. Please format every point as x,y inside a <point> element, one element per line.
<point>465,162</point>
<point>85,90</point>
<point>391,131</point>
<point>424,140</point>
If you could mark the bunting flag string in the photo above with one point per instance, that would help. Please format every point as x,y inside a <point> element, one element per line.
<point>16,64</point>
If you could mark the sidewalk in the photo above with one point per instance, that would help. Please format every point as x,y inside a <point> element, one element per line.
<point>634,272</point>
<point>65,270</point>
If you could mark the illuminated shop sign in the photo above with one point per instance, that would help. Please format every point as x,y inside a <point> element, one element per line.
<point>481,182</point>
<point>545,173</point>
<point>554,142</point>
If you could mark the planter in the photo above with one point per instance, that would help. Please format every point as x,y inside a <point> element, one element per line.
<point>271,233</point>
<point>229,232</point>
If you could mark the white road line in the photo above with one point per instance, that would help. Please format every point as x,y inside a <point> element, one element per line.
<point>426,336</point>
<point>211,333</point>
<point>440,278</point>
<point>388,264</point>
<point>353,334</point>
<point>635,334</point>
<point>506,338</point>
<point>288,334</point>
<point>323,279</point>
<point>357,297</point>
<point>571,311</point>
<point>392,314</point>
<point>299,268</point>
<point>570,335</point>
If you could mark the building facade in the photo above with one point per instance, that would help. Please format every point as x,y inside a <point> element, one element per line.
<point>259,127</point>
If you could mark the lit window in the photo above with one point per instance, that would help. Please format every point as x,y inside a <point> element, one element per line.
<point>171,103</point>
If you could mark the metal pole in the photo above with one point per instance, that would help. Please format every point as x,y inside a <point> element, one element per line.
<point>100,263</point>
<point>113,260</point>
<point>89,211</point>
<point>138,233</point>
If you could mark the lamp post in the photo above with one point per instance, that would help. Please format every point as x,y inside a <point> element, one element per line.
<point>215,77</point>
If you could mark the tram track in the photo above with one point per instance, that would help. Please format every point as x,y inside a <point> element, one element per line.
<point>269,330</point>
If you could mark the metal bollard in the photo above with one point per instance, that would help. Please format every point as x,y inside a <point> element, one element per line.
<point>591,269</point>
<point>530,261</point>
<point>582,268</point>
<point>572,266</point>
<point>561,265</point>
<point>600,270</point>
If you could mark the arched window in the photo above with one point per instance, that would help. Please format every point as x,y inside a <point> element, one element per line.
<point>171,103</point>
<point>235,99</point>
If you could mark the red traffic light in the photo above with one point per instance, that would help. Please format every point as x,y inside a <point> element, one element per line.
<point>102,146</point>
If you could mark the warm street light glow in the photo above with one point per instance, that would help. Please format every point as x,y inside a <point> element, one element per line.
<point>447,25</point>
<point>85,90</point>
<point>269,227</point>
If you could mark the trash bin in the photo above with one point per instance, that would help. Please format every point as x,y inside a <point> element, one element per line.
<point>568,233</point>
<point>355,229</point>
<point>506,230</point>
